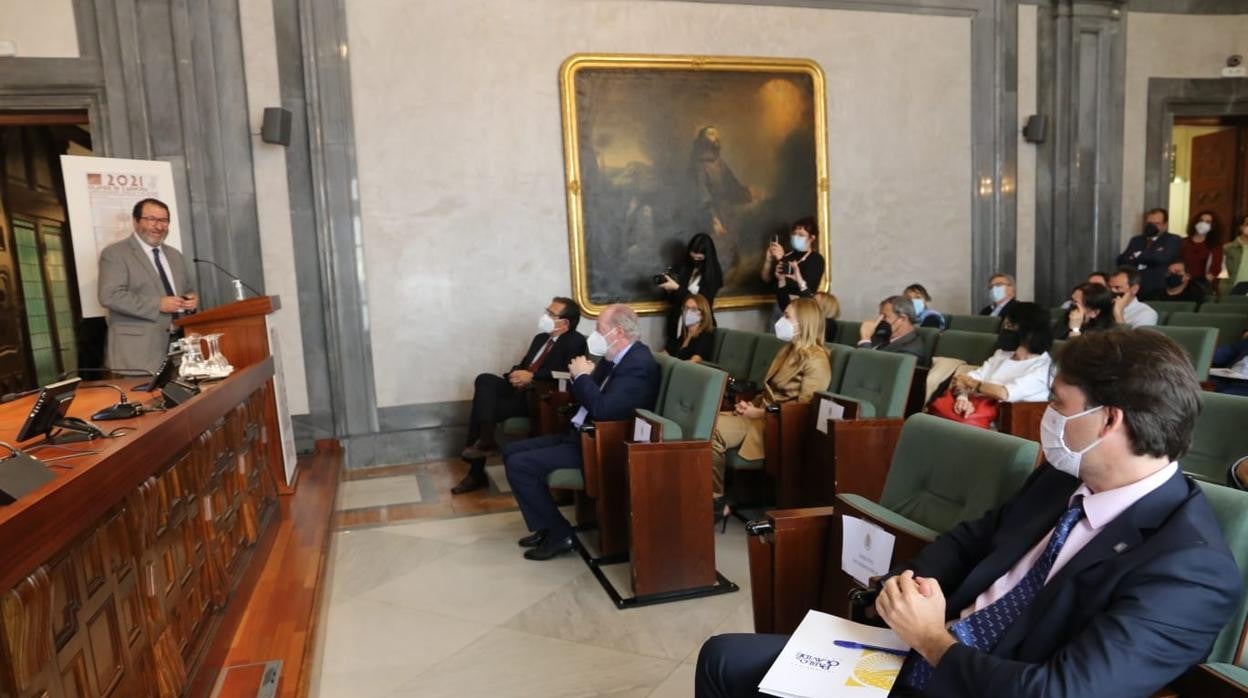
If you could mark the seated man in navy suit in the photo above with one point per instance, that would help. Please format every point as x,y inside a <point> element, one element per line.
<point>1106,575</point>
<point>627,378</point>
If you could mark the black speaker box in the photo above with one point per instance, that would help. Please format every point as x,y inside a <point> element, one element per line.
<point>1036,129</point>
<point>276,126</point>
<point>20,475</point>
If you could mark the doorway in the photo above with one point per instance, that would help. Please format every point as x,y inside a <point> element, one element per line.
<point>41,329</point>
<point>1210,162</point>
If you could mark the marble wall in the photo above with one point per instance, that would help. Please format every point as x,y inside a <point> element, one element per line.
<point>47,33</point>
<point>1026,181</point>
<point>272,196</point>
<point>461,165</point>
<point>1167,46</point>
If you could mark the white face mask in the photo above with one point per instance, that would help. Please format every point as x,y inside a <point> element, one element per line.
<point>997,293</point>
<point>1053,441</point>
<point>799,242</point>
<point>546,324</point>
<point>597,343</point>
<point>1203,228</point>
<point>785,330</point>
<point>692,317</point>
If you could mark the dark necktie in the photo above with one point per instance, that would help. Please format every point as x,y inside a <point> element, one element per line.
<point>164,278</point>
<point>536,363</point>
<point>982,629</point>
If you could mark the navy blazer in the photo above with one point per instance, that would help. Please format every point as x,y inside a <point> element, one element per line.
<point>1155,255</point>
<point>634,385</point>
<point>570,345</point>
<point>1134,609</point>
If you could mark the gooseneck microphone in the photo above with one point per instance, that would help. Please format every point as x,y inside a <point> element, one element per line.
<point>124,409</point>
<point>227,272</point>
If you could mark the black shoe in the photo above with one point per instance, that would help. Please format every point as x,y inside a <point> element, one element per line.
<point>551,547</point>
<point>472,481</point>
<point>722,511</point>
<point>532,540</point>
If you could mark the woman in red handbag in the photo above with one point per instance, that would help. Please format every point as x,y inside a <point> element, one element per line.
<point>1019,371</point>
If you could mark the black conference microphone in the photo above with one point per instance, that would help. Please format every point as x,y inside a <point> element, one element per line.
<point>227,272</point>
<point>124,409</point>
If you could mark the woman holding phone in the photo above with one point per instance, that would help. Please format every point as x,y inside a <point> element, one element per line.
<point>798,273</point>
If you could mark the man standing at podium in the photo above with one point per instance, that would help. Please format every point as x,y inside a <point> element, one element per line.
<point>145,286</point>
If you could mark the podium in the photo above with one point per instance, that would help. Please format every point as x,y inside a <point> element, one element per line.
<point>244,326</point>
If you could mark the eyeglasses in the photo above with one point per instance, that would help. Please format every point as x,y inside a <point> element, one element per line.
<point>154,219</point>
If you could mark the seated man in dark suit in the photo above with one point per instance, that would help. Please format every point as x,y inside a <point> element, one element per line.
<point>497,398</point>
<point>1001,293</point>
<point>627,378</point>
<point>1105,576</point>
<point>893,330</point>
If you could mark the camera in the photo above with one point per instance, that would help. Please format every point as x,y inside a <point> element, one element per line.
<point>658,278</point>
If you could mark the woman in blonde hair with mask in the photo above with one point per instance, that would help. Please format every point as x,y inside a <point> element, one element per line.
<point>696,341</point>
<point>800,368</point>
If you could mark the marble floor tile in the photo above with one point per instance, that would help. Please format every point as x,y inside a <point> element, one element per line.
<point>498,477</point>
<point>378,492</point>
<point>581,612</point>
<point>517,665</point>
<point>372,647</point>
<point>367,558</point>
<point>487,581</point>
<point>678,684</point>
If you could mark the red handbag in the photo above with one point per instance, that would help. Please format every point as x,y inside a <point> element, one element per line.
<point>984,414</point>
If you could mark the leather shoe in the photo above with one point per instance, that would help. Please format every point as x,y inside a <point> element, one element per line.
<point>472,481</point>
<point>532,540</point>
<point>551,547</point>
<point>478,451</point>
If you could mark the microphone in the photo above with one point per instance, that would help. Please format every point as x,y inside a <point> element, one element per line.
<point>228,273</point>
<point>124,409</point>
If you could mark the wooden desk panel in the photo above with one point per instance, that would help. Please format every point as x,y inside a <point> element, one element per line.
<point>117,570</point>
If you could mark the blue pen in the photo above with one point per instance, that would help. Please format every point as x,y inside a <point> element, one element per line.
<point>870,648</point>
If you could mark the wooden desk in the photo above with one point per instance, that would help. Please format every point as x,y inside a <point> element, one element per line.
<point>116,572</point>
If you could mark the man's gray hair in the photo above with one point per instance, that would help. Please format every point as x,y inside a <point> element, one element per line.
<point>901,306</point>
<point>1009,279</point>
<point>625,318</point>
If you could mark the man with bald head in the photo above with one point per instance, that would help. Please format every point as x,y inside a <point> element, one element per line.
<point>625,379</point>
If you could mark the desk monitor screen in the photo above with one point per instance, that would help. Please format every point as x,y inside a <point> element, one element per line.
<point>50,407</point>
<point>164,374</point>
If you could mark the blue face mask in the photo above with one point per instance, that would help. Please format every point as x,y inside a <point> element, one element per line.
<point>919,305</point>
<point>997,293</point>
<point>799,243</point>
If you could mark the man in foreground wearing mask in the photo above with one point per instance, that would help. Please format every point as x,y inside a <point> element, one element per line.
<point>1105,576</point>
<point>626,379</point>
<point>1128,309</point>
<point>893,330</point>
<point>1152,251</point>
<point>497,398</point>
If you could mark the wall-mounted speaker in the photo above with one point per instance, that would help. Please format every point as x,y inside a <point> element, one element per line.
<point>276,126</point>
<point>1036,129</point>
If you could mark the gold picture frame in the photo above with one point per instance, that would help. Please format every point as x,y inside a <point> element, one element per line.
<point>671,92</point>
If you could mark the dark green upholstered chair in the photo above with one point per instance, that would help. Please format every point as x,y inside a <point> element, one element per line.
<point>972,347</point>
<point>1167,307</point>
<point>838,356</point>
<point>690,403</point>
<point>718,344</point>
<point>1198,342</point>
<point>928,336</point>
<point>765,351</point>
<point>1220,437</point>
<point>1056,314</point>
<point>1230,326</point>
<point>666,362</point>
<point>847,332</point>
<point>736,353</point>
<point>876,382</point>
<point>974,323</point>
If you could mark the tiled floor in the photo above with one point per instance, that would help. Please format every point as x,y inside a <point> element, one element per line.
<point>445,605</point>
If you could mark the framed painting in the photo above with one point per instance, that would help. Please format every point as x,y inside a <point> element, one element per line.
<point>660,148</point>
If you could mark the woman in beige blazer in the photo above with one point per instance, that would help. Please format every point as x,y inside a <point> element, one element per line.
<point>799,369</point>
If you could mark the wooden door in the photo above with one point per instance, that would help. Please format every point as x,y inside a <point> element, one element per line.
<point>1214,175</point>
<point>15,372</point>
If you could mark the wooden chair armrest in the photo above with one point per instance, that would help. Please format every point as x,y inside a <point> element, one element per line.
<point>600,447</point>
<point>1022,419</point>
<point>1203,682</point>
<point>864,451</point>
<point>784,441</point>
<point>656,426</point>
<point>786,566</point>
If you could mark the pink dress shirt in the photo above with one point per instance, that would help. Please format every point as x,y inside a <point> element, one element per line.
<point>1099,509</point>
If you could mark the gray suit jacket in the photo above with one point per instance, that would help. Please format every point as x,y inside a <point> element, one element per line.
<point>138,333</point>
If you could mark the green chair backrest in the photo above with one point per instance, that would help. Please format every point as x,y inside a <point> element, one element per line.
<point>1056,314</point>
<point>1198,342</point>
<point>764,353</point>
<point>935,482</point>
<point>1220,437</point>
<point>838,357</point>
<point>1165,307</point>
<point>718,343</point>
<point>1230,326</point>
<point>665,362</point>
<point>974,323</point>
<point>736,352</point>
<point>847,332</point>
<point>1056,349</point>
<point>1230,508</point>
<point>1233,308</point>
<point>879,377</point>
<point>928,336</point>
<point>1232,300</point>
<point>972,347</point>
<point>692,399</point>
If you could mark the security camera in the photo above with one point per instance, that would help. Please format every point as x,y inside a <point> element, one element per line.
<point>1234,61</point>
